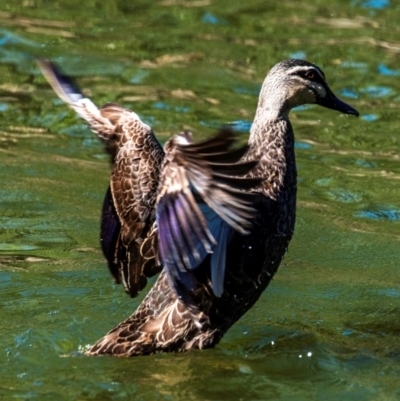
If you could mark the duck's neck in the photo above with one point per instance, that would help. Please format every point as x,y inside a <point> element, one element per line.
<point>272,111</point>
<point>272,141</point>
<point>267,132</point>
<point>274,101</point>
<point>271,126</point>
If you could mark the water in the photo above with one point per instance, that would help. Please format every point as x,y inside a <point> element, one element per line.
<point>327,327</point>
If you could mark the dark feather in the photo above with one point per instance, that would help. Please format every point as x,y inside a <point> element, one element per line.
<point>63,85</point>
<point>192,190</point>
<point>128,210</point>
<point>109,232</point>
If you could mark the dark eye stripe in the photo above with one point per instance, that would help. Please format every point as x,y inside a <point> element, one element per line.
<point>302,72</point>
<point>316,78</point>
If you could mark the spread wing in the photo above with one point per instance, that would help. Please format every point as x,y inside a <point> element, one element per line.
<point>128,233</point>
<point>203,197</point>
<point>134,183</point>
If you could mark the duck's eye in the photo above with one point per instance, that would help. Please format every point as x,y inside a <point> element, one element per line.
<point>310,75</point>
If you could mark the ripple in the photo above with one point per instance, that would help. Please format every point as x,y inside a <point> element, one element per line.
<point>4,246</point>
<point>49,238</point>
<point>365,163</point>
<point>344,196</point>
<point>324,182</point>
<point>73,291</point>
<point>390,292</point>
<point>350,93</point>
<point>76,130</point>
<point>383,70</point>
<point>247,91</point>
<point>139,77</point>
<point>380,214</point>
<point>303,107</point>
<point>376,91</point>
<point>48,120</point>
<point>11,38</point>
<point>300,55</point>
<point>369,117</point>
<point>354,64</point>
<point>240,125</point>
<point>376,4</point>
<point>302,145</point>
<point>165,106</point>
<point>209,18</point>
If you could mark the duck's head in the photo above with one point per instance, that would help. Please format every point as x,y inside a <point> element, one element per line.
<point>296,82</point>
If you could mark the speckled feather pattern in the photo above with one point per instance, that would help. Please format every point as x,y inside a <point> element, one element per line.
<point>137,158</point>
<point>252,261</point>
<point>174,210</point>
<point>128,232</point>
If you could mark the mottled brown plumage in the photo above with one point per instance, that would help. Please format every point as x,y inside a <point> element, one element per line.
<point>216,221</point>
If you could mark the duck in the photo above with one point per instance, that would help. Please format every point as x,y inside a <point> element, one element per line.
<point>212,219</point>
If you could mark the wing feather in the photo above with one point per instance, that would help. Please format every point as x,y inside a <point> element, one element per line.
<point>128,210</point>
<point>171,209</point>
<point>201,200</point>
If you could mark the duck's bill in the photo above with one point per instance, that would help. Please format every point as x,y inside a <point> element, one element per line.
<point>332,102</point>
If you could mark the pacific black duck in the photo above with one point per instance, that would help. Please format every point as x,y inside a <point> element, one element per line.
<point>215,221</point>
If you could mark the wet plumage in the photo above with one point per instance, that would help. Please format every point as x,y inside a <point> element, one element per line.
<point>215,220</point>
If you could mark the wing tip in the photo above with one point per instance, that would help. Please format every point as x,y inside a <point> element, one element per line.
<point>63,85</point>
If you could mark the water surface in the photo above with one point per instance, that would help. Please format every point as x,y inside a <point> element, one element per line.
<point>327,327</point>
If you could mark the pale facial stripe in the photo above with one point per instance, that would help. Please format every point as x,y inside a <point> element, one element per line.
<point>298,69</point>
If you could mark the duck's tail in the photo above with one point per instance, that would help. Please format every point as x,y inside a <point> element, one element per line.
<point>162,323</point>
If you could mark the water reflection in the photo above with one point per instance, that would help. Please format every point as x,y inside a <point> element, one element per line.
<point>198,65</point>
<point>360,66</point>
<point>377,91</point>
<point>209,18</point>
<point>380,214</point>
<point>382,69</point>
<point>374,4</point>
<point>369,117</point>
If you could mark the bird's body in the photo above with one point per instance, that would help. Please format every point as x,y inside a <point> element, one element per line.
<point>213,221</point>
<point>163,323</point>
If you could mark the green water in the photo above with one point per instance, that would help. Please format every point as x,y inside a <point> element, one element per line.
<point>328,326</point>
